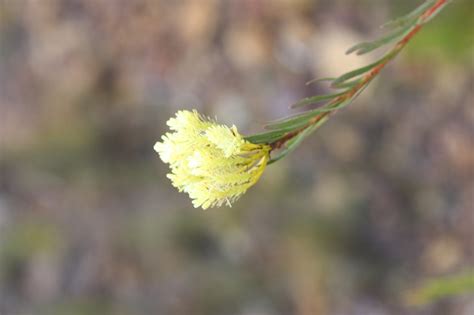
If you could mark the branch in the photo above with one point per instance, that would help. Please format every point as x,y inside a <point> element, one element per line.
<point>286,134</point>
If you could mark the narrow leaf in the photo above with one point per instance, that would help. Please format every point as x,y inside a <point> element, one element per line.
<point>413,15</point>
<point>367,47</point>
<point>356,72</point>
<point>295,120</point>
<point>320,80</point>
<point>265,137</point>
<point>293,143</point>
<point>316,99</point>
<point>346,85</point>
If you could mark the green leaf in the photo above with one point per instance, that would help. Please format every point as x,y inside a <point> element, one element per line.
<point>437,289</point>
<point>413,15</point>
<point>437,11</point>
<point>320,80</point>
<point>317,99</point>
<point>367,47</point>
<point>346,85</point>
<point>298,120</point>
<point>293,143</point>
<point>301,120</point>
<point>266,137</point>
<point>357,72</point>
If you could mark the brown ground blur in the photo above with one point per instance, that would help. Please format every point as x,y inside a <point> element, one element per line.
<point>377,201</point>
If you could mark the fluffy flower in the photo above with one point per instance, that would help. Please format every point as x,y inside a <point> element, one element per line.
<point>212,163</point>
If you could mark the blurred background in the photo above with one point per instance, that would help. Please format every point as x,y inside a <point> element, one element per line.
<point>376,202</point>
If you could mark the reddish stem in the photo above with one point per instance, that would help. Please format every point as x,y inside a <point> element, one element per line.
<point>368,77</point>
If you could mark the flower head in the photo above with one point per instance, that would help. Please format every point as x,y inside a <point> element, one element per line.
<point>212,163</point>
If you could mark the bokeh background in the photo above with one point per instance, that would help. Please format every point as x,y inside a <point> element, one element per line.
<point>376,202</point>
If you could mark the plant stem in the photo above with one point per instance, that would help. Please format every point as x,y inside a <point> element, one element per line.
<point>367,78</point>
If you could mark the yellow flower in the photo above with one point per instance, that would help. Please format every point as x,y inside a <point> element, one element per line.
<point>212,163</point>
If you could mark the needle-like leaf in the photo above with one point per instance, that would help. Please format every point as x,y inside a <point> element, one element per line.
<point>367,47</point>
<point>403,20</point>
<point>317,99</point>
